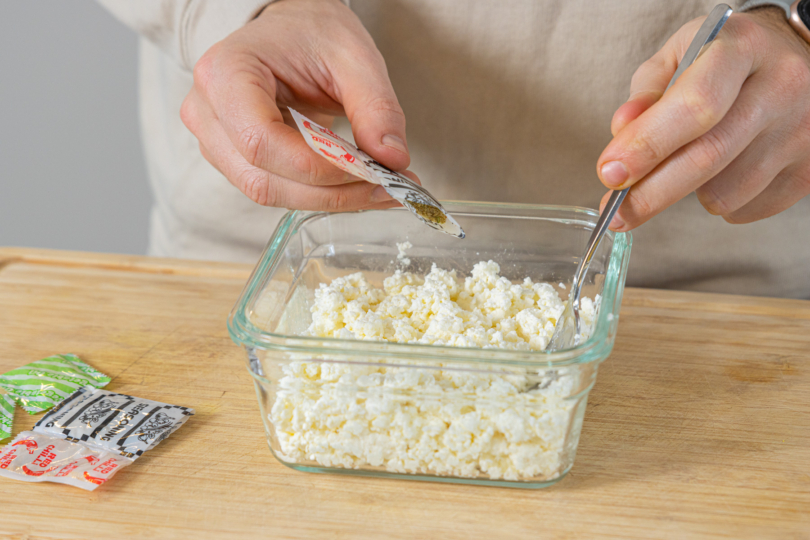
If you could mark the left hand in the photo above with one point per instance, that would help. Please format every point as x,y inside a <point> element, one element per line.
<point>735,127</point>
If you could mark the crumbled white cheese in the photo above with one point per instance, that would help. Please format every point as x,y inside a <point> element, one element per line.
<point>487,422</point>
<point>402,257</point>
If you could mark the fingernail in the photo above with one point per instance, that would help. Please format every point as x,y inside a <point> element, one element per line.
<point>380,195</point>
<point>392,141</point>
<point>614,173</point>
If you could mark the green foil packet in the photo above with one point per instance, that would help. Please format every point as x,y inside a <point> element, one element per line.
<point>38,386</point>
<point>6,416</point>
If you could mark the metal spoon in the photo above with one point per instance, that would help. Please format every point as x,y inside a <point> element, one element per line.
<point>567,330</point>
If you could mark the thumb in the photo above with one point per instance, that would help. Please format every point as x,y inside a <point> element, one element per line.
<point>378,123</point>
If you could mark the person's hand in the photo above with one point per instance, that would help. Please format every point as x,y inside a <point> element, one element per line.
<point>735,127</point>
<point>315,56</point>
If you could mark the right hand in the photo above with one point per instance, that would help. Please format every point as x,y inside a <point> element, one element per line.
<point>312,55</point>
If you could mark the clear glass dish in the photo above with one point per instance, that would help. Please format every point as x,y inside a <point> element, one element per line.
<point>428,412</point>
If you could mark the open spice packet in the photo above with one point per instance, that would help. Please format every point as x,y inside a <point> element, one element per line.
<point>38,386</point>
<point>90,436</point>
<point>349,158</point>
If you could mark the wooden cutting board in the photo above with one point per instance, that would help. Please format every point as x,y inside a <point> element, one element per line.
<point>698,427</point>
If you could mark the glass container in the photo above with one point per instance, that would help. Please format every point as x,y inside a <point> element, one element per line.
<point>419,411</point>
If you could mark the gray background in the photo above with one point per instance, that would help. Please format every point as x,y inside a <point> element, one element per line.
<point>72,173</point>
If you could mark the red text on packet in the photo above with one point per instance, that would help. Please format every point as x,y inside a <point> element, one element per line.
<point>67,469</point>
<point>327,154</point>
<point>328,132</point>
<point>6,459</point>
<point>107,466</point>
<point>28,443</point>
<point>323,141</point>
<point>45,457</point>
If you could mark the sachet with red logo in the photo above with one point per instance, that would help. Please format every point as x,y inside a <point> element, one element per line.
<point>117,423</point>
<point>36,457</point>
<point>351,159</point>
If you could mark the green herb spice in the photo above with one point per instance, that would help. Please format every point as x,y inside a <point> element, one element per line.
<point>428,212</point>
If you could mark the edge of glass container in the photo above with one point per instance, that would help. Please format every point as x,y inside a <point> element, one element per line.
<point>519,484</point>
<point>244,333</point>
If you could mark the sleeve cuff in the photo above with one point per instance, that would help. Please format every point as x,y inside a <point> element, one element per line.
<point>205,23</point>
<point>751,4</point>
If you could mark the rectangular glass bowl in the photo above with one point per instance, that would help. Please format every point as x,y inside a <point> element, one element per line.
<point>428,412</point>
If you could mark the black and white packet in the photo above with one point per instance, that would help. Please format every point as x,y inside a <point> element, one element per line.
<point>117,423</point>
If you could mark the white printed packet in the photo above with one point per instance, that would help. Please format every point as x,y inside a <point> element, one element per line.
<point>349,158</point>
<point>35,457</point>
<point>115,423</point>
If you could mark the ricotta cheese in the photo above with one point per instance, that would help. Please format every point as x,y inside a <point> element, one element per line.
<point>402,256</point>
<point>404,416</point>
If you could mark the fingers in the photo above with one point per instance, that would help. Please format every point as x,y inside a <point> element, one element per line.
<point>243,102</point>
<point>637,104</point>
<point>371,105</point>
<point>744,178</point>
<point>691,166</point>
<point>788,188</point>
<point>648,84</point>
<point>731,129</point>
<point>696,103</point>
<point>270,189</point>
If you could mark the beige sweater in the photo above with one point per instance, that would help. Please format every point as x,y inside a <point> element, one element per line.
<point>506,100</point>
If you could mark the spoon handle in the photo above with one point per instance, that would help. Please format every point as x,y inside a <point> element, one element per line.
<point>612,206</point>
<point>705,35</point>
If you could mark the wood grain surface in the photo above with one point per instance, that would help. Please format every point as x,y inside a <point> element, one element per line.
<point>698,427</point>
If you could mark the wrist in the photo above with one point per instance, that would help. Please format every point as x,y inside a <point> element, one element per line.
<point>795,13</point>
<point>773,16</point>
